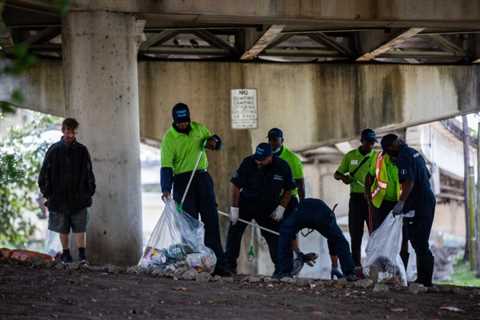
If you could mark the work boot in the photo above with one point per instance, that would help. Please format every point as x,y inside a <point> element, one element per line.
<point>222,272</point>
<point>336,273</point>
<point>66,257</point>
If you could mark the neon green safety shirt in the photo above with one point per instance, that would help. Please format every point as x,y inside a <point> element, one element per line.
<point>295,165</point>
<point>180,150</point>
<point>349,163</point>
<point>389,176</point>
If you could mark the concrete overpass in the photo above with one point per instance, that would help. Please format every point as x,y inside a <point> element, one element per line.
<point>96,78</point>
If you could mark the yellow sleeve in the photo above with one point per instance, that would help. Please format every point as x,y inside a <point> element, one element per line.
<point>167,152</point>
<point>343,167</point>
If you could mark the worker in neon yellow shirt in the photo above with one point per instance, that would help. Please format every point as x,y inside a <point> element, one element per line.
<point>275,138</point>
<point>382,187</point>
<point>181,146</point>
<point>352,171</point>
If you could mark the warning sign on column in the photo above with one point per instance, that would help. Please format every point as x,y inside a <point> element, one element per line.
<point>244,108</point>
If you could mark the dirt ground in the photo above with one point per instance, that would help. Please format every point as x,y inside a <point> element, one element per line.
<point>40,293</point>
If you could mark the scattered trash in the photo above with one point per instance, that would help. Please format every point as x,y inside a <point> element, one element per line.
<point>29,256</point>
<point>451,308</point>
<point>380,287</point>
<point>417,288</point>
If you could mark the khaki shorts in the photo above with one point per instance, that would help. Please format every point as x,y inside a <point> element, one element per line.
<point>63,222</point>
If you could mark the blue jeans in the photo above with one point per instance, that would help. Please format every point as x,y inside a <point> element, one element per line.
<point>312,214</point>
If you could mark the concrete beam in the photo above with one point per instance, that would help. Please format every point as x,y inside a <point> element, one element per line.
<point>361,13</point>
<point>390,44</point>
<point>333,97</point>
<point>265,40</point>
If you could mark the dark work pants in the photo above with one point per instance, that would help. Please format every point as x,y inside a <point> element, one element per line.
<point>250,210</point>
<point>201,201</point>
<point>379,215</point>
<point>418,232</point>
<point>358,216</point>
<point>322,221</point>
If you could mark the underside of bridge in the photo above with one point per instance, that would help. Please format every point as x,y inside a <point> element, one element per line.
<point>323,70</point>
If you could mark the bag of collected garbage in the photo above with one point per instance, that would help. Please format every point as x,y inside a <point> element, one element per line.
<point>383,262</point>
<point>53,246</point>
<point>177,241</point>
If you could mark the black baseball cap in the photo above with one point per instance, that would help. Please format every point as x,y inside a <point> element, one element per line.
<point>369,135</point>
<point>180,113</point>
<point>388,140</point>
<point>275,133</point>
<point>263,151</point>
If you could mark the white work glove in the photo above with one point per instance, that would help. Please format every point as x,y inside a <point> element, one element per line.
<point>398,209</point>
<point>234,213</point>
<point>277,215</point>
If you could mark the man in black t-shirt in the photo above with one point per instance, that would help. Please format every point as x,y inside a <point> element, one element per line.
<point>261,190</point>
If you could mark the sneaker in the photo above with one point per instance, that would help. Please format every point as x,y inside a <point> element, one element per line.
<point>66,258</point>
<point>336,273</point>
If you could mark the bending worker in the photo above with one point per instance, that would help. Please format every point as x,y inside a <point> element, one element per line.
<point>313,214</point>
<point>181,146</point>
<point>261,190</point>
<point>416,195</point>
<point>353,170</point>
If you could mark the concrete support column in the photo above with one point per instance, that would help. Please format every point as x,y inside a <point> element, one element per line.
<point>101,90</point>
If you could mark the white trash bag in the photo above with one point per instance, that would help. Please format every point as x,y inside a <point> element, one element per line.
<point>177,241</point>
<point>53,246</point>
<point>383,261</point>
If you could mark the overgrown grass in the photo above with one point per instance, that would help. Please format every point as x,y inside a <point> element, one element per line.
<point>463,276</point>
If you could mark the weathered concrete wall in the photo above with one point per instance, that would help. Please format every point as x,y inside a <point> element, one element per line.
<point>314,103</point>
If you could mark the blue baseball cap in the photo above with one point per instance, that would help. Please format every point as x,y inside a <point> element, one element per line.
<point>275,133</point>
<point>369,135</point>
<point>180,113</point>
<point>263,151</point>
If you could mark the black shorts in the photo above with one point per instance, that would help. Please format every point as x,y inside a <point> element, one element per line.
<point>63,222</point>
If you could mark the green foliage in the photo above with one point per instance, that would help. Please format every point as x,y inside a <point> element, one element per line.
<point>463,275</point>
<point>21,154</point>
<point>63,6</point>
<point>22,59</point>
